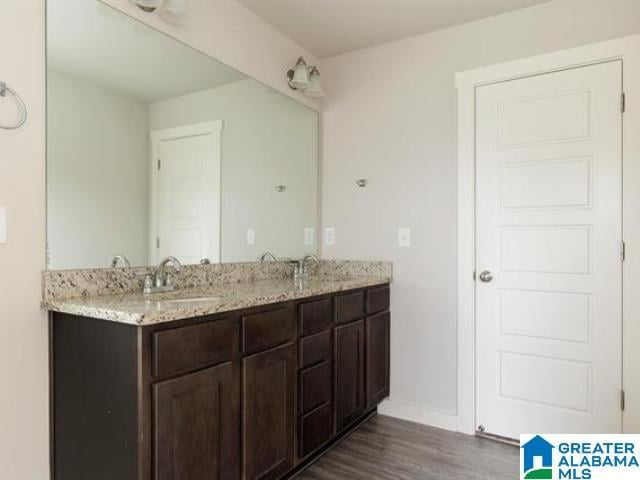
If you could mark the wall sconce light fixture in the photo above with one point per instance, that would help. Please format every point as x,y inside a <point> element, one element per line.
<point>306,79</point>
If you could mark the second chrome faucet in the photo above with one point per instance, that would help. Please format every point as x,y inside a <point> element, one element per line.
<point>301,267</point>
<point>161,280</point>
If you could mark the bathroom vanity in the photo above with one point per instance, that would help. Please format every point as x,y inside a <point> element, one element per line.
<point>193,388</point>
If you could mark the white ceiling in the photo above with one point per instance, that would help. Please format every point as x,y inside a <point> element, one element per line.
<point>332,27</point>
<point>90,40</point>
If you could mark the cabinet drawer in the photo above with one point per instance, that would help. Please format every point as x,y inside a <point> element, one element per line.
<point>267,329</point>
<point>188,348</point>
<point>315,386</point>
<point>315,430</point>
<point>349,307</point>
<point>315,349</point>
<point>315,316</point>
<point>378,299</point>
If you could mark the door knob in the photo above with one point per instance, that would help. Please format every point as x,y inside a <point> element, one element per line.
<point>486,276</point>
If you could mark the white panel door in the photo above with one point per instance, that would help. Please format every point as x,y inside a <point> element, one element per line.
<point>549,231</point>
<point>188,194</point>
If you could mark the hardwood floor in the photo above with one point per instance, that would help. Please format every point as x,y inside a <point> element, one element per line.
<point>386,448</point>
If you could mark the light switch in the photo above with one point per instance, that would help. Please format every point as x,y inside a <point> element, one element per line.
<point>330,236</point>
<point>251,236</point>
<point>404,237</point>
<point>3,225</point>
<point>309,233</point>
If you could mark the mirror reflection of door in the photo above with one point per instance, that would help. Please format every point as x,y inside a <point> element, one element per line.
<point>185,213</point>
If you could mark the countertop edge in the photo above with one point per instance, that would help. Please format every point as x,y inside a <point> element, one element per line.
<point>80,306</point>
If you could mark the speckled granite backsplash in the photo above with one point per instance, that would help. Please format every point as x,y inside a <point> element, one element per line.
<point>355,268</point>
<point>60,284</point>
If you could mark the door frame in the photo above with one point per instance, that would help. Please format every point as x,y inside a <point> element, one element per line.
<point>626,49</point>
<point>156,136</point>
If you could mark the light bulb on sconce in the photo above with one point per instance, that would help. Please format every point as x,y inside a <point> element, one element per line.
<point>315,87</point>
<point>299,75</point>
<point>305,78</point>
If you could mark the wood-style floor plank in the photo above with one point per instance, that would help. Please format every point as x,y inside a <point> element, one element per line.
<point>386,448</point>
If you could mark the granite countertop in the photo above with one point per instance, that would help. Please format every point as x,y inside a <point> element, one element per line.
<point>139,309</point>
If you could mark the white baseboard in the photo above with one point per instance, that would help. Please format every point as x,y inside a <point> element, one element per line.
<point>418,414</point>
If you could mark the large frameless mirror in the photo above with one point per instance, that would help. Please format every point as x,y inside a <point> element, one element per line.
<point>155,149</point>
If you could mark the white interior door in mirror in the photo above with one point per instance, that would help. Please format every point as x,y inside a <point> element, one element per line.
<point>186,173</point>
<point>549,229</point>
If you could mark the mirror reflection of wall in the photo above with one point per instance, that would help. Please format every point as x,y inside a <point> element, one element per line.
<point>237,160</point>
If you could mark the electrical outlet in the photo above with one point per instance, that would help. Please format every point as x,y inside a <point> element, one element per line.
<point>309,234</point>
<point>330,236</point>
<point>251,236</point>
<point>3,225</point>
<point>404,237</point>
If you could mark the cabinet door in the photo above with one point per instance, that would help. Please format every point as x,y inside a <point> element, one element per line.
<point>269,415</point>
<point>377,368</point>
<point>349,374</point>
<point>197,425</point>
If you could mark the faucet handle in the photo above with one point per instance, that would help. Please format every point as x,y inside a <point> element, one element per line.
<point>147,283</point>
<point>296,266</point>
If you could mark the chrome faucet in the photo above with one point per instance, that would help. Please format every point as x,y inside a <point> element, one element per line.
<point>267,255</point>
<point>300,267</point>
<point>120,259</point>
<point>161,277</point>
<point>305,260</point>
<point>161,281</point>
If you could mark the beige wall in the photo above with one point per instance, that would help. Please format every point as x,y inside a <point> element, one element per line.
<point>390,116</point>
<point>224,29</point>
<point>24,392</point>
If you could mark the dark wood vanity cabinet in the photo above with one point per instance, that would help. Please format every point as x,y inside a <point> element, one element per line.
<point>251,394</point>
<point>377,335</point>
<point>268,413</point>
<point>377,332</point>
<point>349,374</point>
<point>196,426</point>
<point>315,376</point>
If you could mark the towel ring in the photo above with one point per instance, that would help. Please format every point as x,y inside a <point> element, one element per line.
<point>22,108</point>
